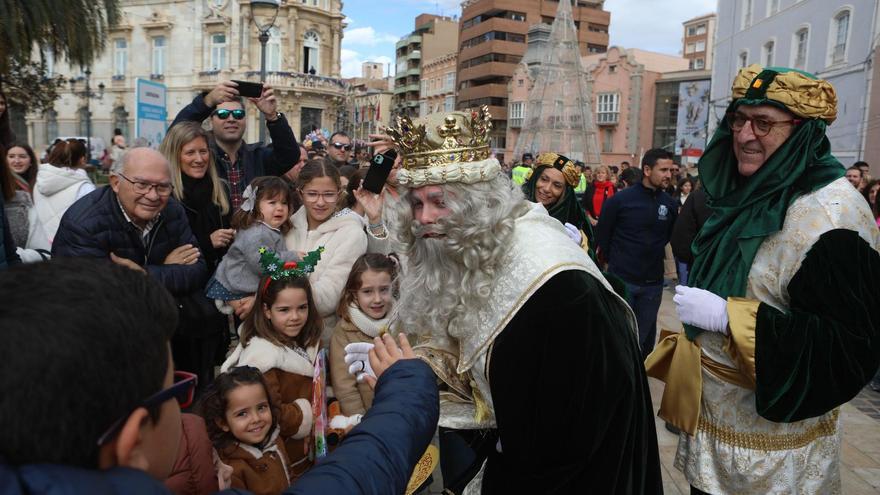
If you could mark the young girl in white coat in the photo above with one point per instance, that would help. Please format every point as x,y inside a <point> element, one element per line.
<point>316,224</point>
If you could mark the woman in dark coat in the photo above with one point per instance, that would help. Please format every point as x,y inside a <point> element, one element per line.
<point>201,338</point>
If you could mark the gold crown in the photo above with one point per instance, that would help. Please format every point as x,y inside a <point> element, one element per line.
<point>437,140</point>
<point>561,163</point>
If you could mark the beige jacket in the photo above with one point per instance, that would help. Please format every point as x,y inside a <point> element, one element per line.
<point>354,397</point>
<point>344,241</point>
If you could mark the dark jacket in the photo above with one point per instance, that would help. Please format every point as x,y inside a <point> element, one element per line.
<point>8,255</point>
<point>51,479</point>
<point>633,230</point>
<point>378,455</point>
<point>691,218</point>
<point>257,159</point>
<point>94,226</point>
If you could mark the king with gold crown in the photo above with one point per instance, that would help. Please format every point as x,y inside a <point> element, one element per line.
<point>543,388</point>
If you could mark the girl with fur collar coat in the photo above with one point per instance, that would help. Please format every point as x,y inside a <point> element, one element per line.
<point>281,338</point>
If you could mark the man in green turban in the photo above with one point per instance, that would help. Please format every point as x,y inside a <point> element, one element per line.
<point>782,319</point>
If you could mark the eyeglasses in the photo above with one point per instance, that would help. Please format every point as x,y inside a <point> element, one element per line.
<point>760,127</point>
<point>312,196</point>
<point>143,188</point>
<point>224,114</point>
<point>183,390</point>
<point>342,146</point>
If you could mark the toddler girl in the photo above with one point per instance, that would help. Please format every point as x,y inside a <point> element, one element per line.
<point>243,427</point>
<point>280,338</point>
<point>261,221</point>
<point>364,312</point>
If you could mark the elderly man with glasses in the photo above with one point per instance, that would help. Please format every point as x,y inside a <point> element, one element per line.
<point>782,318</point>
<point>238,163</point>
<point>137,224</point>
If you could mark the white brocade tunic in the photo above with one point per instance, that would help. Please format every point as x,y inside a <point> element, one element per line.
<point>736,451</point>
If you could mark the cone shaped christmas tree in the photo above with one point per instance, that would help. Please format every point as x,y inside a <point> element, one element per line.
<point>558,115</point>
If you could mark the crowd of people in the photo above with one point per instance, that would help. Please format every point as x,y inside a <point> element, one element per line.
<point>282,303</point>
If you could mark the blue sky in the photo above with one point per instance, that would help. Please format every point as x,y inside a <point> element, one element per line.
<point>374,27</point>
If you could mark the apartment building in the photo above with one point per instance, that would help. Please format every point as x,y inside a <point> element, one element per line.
<point>698,41</point>
<point>433,37</point>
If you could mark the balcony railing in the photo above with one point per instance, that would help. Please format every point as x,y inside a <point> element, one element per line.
<point>607,118</point>
<point>299,80</point>
<point>515,122</point>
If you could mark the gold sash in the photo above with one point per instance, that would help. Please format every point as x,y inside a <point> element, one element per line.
<point>677,361</point>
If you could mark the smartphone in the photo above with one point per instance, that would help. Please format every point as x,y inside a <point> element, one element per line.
<point>379,171</point>
<point>249,89</point>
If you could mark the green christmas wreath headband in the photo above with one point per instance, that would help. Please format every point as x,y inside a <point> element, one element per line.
<point>274,268</point>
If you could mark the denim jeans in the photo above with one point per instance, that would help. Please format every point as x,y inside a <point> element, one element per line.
<point>645,302</point>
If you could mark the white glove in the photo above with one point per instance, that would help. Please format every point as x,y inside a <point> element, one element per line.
<point>573,233</point>
<point>701,309</point>
<point>357,357</point>
<point>341,422</point>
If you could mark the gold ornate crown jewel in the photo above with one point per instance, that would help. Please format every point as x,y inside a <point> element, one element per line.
<point>442,148</point>
<point>561,163</point>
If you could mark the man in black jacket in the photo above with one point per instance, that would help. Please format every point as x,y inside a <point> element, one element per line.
<point>137,224</point>
<point>237,162</point>
<point>632,234</point>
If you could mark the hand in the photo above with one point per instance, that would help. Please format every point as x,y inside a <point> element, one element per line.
<point>593,221</point>
<point>267,103</point>
<point>221,238</point>
<point>380,143</point>
<point>223,92</point>
<point>701,309</point>
<point>127,263</point>
<point>224,471</point>
<point>183,255</point>
<point>573,233</point>
<point>357,357</point>
<point>371,202</point>
<point>386,353</point>
<point>242,306</point>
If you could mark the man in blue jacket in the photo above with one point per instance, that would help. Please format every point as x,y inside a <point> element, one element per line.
<point>137,224</point>
<point>633,230</point>
<point>99,415</point>
<point>237,162</point>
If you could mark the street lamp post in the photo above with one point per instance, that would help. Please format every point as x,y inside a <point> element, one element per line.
<point>264,38</point>
<point>87,94</point>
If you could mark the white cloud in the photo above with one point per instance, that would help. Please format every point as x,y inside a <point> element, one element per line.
<point>367,36</point>
<point>352,60</point>
<point>631,28</point>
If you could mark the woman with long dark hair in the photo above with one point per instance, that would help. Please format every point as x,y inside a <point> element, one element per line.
<point>21,217</point>
<point>23,164</point>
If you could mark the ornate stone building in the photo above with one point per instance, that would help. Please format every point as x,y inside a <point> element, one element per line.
<point>190,45</point>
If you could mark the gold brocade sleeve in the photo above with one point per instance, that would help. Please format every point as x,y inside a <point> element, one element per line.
<point>742,314</point>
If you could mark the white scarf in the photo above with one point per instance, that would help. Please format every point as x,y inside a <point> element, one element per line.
<point>366,324</point>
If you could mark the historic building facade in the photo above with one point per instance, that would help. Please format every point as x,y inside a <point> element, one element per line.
<point>191,45</point>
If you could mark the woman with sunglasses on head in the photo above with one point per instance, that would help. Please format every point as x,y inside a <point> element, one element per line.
<point>318,224</point>
<point>60,183</point>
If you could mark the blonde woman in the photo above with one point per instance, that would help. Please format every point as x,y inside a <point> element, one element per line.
<point>205,197</point>
<point>599,190</point>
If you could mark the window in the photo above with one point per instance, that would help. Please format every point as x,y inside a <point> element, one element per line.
<point>423,107</point>
<point>516,110</point>
<point>273,50</point>
<point>449,104</point>
<point>607,107</point>
<point>801,41</point>
<point>49,58</point>
<point>612,69</point>
<point>158,68</point>
<point>449,84</point>
<point>701,46</point>
<point>772,7</point>
<point>607,141</point>
<point>519,82</point>
<point>218,51</point>
<point>747,13</point>
<point>692,31</point>
<point>767,55</point>
<point>701,29</point>
<point>311,53</point>
<point>424,90</point>
<point>120,57</point>
<point>699,64</point>
<point>743,59</point>
<point>840,32</point>
<point>596,48</point>
<point>690,48</point>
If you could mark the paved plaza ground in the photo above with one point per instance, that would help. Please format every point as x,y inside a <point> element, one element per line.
<point>860,420</point>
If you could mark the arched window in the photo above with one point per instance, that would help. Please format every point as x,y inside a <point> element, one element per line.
<point>799,44</point>
<point>311,53</point>
<point>768,53</point>
<point>273,50</point>
<point>839,36</point>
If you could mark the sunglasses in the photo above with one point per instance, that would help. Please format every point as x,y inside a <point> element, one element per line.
<point>224,114</point>
<point>183,390</point>
<point>342,146</point>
